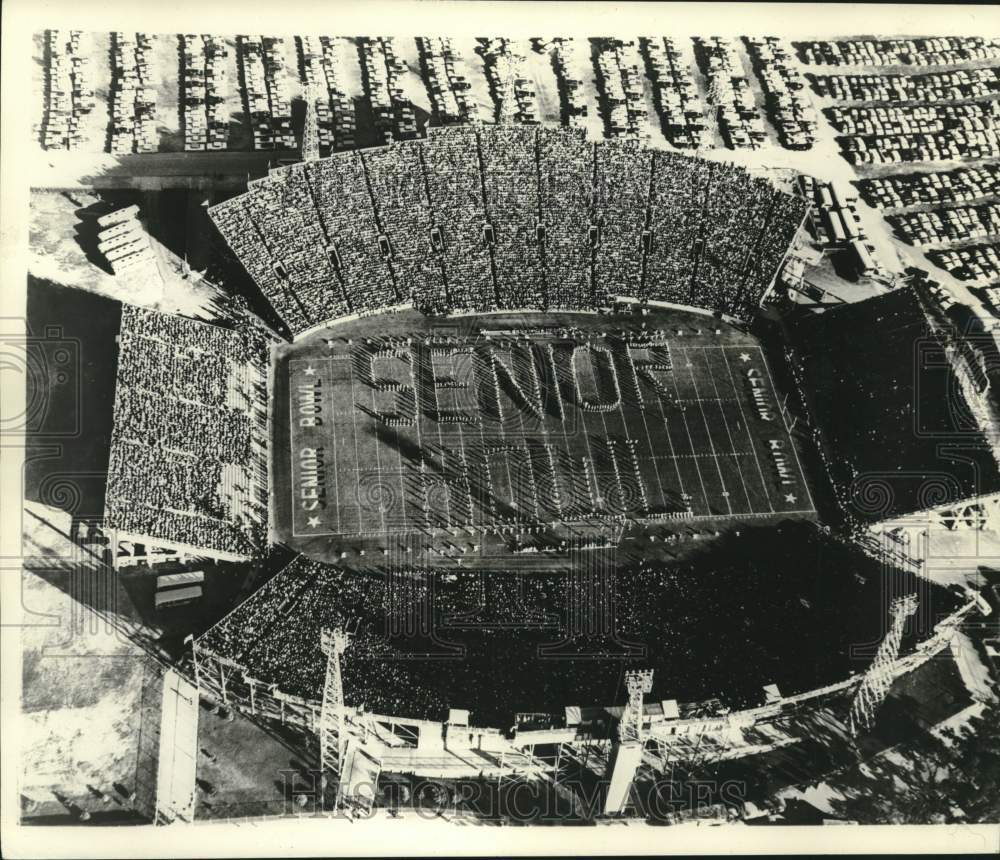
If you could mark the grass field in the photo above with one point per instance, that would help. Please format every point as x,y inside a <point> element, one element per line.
<point>404,425</point>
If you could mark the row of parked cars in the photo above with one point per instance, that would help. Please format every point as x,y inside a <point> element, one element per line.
<point>511,83</point>
<point>787,98</point>
<point>206,88</point>
<point>730,94</point>
<point>947,186</point>
<point>133,94</point>
<point>69,90</point>
<point>620,82</point>
<point>682,114</point>
<point>942,50</point>
<point>955,224</point>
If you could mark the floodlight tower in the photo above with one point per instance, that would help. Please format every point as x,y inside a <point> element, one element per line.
<point>626,752</point>
<point>877,680</point>
<point>508,93</point>
<point>332,737</point>
<point>310,131</point>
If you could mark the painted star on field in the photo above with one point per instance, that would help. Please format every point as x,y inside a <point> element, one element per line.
<point>744,356</point>
<point>791,498</point>
<point>310,371</point>
<point>313,522</point>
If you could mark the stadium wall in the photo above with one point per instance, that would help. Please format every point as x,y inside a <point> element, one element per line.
<point>231,684</point>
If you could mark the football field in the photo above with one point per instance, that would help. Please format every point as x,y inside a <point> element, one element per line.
<point>494,428</point>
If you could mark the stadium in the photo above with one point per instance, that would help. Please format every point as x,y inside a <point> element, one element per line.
<point>514,412</point>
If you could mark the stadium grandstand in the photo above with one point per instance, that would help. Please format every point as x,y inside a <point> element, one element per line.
<point>896,408</point>
<point>507,217</point>
<point>397,665</point>
<point>187,476</point>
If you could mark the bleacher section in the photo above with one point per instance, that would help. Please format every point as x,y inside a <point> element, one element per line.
<point>507,217</point>
<point>188,451</point>
<point>887,386</point>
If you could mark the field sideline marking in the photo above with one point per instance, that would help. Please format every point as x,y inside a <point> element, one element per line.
<point>802,474</point>
<point>750,438</point>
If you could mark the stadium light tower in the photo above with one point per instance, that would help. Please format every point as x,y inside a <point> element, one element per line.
<point>877,680</point>
<point>626,754</point>
<point>638,684</point>
<point>508,100</point>
<point>310,131</point>
<point>332,737</point>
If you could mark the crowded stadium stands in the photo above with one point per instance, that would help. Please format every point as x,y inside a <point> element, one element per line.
<point>507,217</point>
<point>188,453</point>
<point>499,642</point>
<point>878,362</point>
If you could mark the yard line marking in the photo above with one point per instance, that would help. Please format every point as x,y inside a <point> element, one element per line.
<point>708,434</point>
<point>357,455</point>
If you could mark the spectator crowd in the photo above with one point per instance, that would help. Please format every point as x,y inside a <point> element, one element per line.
<point>507,217</point>
<point>188,451</point>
